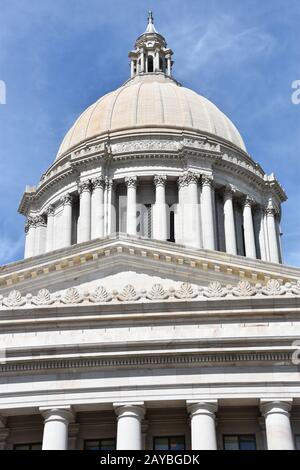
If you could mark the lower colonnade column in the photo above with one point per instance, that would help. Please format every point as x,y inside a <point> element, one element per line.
<point>272,235</point>
<point>84,222</point>
<point>207,213</point>
<point>278,424</point>
<point>249,237</point>
<point>131,182</point>
<point>40,234</point>
<point>203,425</point>
<point>129,431</point>
<point>57,420</point>
<point>97,230</point>
<point>160,226</point>
<point>229,223</point>
<point>192,232</point>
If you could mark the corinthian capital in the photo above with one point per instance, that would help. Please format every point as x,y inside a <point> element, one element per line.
<point>131,181</point>
<point>66,199</point>
<point>187,178</point>
<point>160,180</point>
<point>84,186</point>
<point>229,191</point>
<point>98,183</point>
<point>50,210</point>
<point>207,180</point>
<point>248,201</point>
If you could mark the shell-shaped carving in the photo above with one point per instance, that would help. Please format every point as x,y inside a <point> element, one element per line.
<point>157,293</point>
<point>244,289</point>
<point>273,287</point>
<point>100,295</point>
<point>43,298</point>
<point>128,293</point>
<point>72,296</point>
<point>215,289</point>
<point>185,291</point>
<point>14,299</point>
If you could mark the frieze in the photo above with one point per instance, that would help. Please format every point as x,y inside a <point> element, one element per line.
<point>158,292</point>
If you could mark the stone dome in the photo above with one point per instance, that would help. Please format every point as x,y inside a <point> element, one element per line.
<point>151,100</point>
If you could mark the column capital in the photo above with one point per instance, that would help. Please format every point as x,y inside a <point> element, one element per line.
<point>57,413</point>
<point>50,210</point>
<point>270,211</point>
<point>160,180</point>
<point>126,409</point>
<point>187,178</point>
<point>40,220</point>
<point>66,199</point>
<point>207,180</point>
<point>98,182</point>
<point>131,181</point>
<point>248,201</point>
<point>84,186</point>
<point>282,406</point>
<point>196,407</point>
<point>229,191</point>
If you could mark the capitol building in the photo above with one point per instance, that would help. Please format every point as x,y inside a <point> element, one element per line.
<point>152,309</point>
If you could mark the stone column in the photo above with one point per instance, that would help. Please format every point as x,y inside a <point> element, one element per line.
<point>132,68</point>
<point>57,420</point>
<point>84,225</point>
<point>129,432</point>
<point>272,235</point>
<point>169,71</point>
<point>40,234</point>
<point>4,433</point>
<point>278,424</point>
<point>249,228</point>
<point>203,426</point>
<point>131,182</point>
<point>229,223</point>
<point>66,226</point>
<point>98,185</point>
<point>190,209</point>
<point>207,213</point>
<point>30,237</point>
<point>50,228</point>
<point>160,224</point>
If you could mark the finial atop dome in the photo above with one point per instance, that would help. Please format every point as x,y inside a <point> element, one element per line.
<point>151,53</point>
<point>150,27</point>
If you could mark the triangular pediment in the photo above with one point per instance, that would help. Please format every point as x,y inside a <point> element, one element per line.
<point>120,260</point>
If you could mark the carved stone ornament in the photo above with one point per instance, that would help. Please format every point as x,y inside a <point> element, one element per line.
<point>160,180</point>
<point>131,181</point>
<point>98,183</point>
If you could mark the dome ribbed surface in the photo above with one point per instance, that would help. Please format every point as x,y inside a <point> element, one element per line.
<point>154,101</point>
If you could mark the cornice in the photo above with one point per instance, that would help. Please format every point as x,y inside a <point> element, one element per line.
<point>176,360</point>
<point>162,253</point>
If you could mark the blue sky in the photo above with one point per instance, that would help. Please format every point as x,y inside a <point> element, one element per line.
<point>58,56</point>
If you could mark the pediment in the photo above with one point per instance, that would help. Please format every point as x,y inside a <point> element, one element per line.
<point>120,261</point>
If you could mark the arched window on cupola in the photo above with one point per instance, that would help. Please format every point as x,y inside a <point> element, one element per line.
<point>150,63</point>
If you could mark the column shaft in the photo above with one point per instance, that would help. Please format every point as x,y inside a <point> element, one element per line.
<point>229,223</point>
<point>98,185</point>
<point>278,425</point>
<point>66,226</point>
<point>84,225</point>
<point>131,183</point>
<point>272,235</point>
<point>129,432</point>
<point>190,209</point>
<point>249,228</point>
<point>50,229</point>
<point>30,237</point>
<point>160,225</point>
<point>203,427</point>
<point>56,424</point>
<point>207,214</point>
